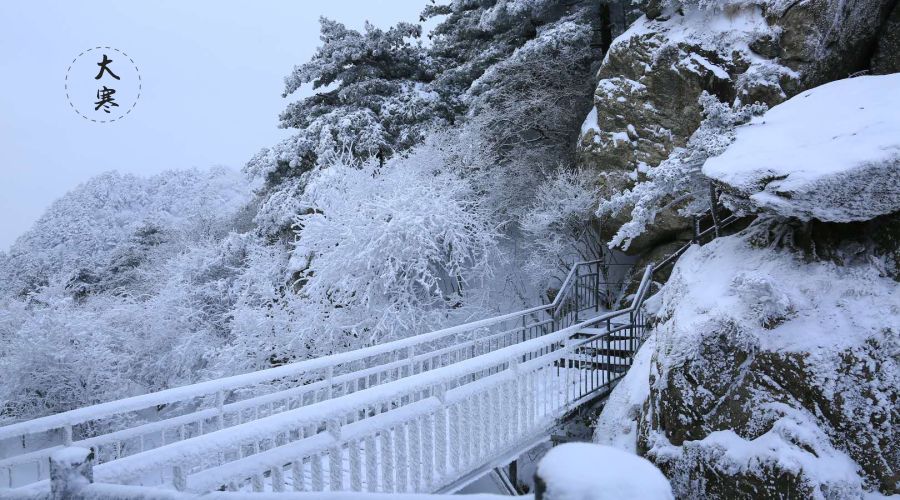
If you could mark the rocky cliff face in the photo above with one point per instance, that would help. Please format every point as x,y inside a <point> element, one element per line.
<point>887,55</point>
<point>775,361</point>
<point>645,104</point>
<point>774,377</point>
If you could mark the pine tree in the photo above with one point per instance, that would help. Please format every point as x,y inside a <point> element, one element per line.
<point>372,101</point>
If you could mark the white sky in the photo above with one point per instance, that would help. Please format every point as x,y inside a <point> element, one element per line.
<point>212,75</point>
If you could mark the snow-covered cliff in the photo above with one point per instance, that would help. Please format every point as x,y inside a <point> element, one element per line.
<point>741,51</point>
<point>773,369</point>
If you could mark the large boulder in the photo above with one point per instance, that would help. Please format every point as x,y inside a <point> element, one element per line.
<point>774,377</point>
<point>831,154</point>
<point>645,104</point>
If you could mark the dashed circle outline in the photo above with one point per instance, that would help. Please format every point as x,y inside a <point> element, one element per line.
<point>136,99</point>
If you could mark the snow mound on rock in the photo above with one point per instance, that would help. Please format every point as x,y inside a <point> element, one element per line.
<point>582,471</point>
<point>831,153</point>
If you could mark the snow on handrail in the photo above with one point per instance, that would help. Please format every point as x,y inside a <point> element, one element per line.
<point>168,396</point>
<point>210,444</point>
<point>193,450</point>
<point>275,459</point>
<point>364,413</point>
<point>66,420</point>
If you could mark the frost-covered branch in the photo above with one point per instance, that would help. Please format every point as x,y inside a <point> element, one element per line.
<point>679,176</point>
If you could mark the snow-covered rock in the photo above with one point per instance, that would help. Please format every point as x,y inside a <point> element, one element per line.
<point>831,153</point>
<point>582,471</point>
<point>887,56</point>
<point>773,376</point>
<point>618,422</point>
<point>645,104</point>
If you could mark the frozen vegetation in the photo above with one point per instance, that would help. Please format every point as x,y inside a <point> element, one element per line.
<point>408,200</point>
<point>430,184</point>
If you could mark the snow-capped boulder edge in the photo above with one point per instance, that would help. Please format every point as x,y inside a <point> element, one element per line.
<point>582,471</point>
<point>774,377</point>
<point>645,104</point>
<point>831,153</point>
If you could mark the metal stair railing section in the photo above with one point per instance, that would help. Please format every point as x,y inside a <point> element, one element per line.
<point>126,427</point>
<point>423,433</point>
<point>588,286</point>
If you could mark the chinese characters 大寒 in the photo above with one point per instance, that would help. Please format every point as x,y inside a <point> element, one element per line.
<point>105,99</point>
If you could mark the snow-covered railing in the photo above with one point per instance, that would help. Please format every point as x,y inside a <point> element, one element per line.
<point>699,235</point>
<point>118,429</point>
<point>423,433</point>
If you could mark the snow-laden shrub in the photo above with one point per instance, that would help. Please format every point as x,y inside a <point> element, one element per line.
<point>384,253</point>
<point>558,225</point>
<point>678,180</point>
<point>65,354</point>
<point>763,296</point>
<point>264,320</point>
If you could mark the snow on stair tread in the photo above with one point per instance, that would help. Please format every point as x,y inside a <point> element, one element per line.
<point>604,359</point>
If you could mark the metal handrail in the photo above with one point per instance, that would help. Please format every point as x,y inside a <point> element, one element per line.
<point>677,253</point>
<point>405,348</point>
<point>65,422</point>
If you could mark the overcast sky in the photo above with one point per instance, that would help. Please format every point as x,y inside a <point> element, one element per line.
<point>212,75</point>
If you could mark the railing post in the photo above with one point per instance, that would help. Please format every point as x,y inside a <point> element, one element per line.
<point>515,398</point>
<point>318,483</point>
<point>335,456</point>
<point>695,224</point>
<point>415,455</point>
<point>387,462</point>
<point>577,301</point>
<point>277,476</point>
<point>401,459</point>
<point>220,408</point>
<point>371,464</point>
<point>71,469</point>
<point>179,478</point>
<point>713,202</point>
<point>440,432</point>
<point>329,391</point>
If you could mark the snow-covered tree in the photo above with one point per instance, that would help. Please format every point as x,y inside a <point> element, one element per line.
<point>678,180</point>
<point>384,254</point>
<point>559,226</point>
<point>372,100</point>
<point>525,112</point>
